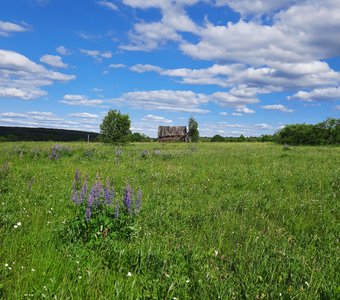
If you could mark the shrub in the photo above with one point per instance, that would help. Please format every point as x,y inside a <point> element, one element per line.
<point>99,213</point>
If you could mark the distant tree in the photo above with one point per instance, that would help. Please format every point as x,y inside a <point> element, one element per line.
<point>193,130</point>
<point>217,138</point>
<point>137,137</point>
<point>241,138</point>
<point>324,133</point>
<point>115,127</point>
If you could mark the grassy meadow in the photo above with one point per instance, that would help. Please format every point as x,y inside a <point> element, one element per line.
<point>217,221</point>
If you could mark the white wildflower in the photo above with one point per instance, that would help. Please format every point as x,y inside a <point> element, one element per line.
<point>129,274</point>
<point>19,223</point>
<point>33,270</point>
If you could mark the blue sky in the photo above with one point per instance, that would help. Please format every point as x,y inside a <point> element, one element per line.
<point>238,66</point>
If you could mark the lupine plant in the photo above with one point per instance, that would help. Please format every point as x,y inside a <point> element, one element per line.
<point>100,212</point>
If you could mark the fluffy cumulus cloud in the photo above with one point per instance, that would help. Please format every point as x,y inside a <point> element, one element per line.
<point>8,28</point>
<point>188,101</point>
<point>45,120</point>
<point>282,52</point>
<point>63,50</point>
<point>81,100</point>
<point>176,101</point>
<point>256,7</point>
<point>279,107</point>
<point>325,94</point>
<point>53,60</point>
<point>281,76</point>
<point>22,78</point>
<point>157,119</point>
<point>235,129</point>
<point>99,55</point>
<point>147,36</point>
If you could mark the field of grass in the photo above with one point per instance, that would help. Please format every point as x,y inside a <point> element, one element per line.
<point>218,221</point>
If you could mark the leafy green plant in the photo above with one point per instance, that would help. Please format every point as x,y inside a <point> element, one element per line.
<point>99,214</point>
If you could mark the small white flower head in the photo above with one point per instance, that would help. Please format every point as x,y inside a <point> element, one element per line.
<point>6,265</point>
<point>129,274</point>
<point>33,270</point>
<point>280,294</point>
<point>19,223</point>
<point>216,252</point>
<point>187,281</point>
<point>79,277</point>
<point>15,226</point>
<point>307,284</point>
<point>167,275</point>
<point>9,268</point>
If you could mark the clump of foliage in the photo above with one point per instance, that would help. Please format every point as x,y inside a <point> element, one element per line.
<point>58,151</point>
<point>324,133</point>
<point>193,130</point>
<point>217,138</point>
<point>138,137</point>
<point>115,127</point>
<point>100,214</point>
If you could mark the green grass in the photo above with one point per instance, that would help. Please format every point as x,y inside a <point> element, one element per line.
<point>228,221</point>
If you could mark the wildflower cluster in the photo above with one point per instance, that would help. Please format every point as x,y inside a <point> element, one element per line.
<point>100,211</point>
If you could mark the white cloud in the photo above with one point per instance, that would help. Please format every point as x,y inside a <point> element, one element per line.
<point>236,97</point>
<point>337,107</point>
<point>306,31</point>
<point>281,76</point>
<point>187,101</point>
<point>223,113</point>
<point>177,101</point>
<point>80,100</point>
<point>148,36</point>
<point>63,50</point>
<point>279,107</point>
<point>256,7</point>
<point>99,55</point>
<point>107,4</point>
<point>263,126</point>
<point>216,74</point>
<point>54,61</point>
<point>325,94</point>
<point>244,110</point>
<point>23,78</point>
<point>46,120</point>
<point>84,115</point>
<point>7,28</point>
<point>117,66</point>
<point>158,119</point>
<point>234,129</point>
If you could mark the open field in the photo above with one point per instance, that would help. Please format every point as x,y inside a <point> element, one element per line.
<point>228,221</point>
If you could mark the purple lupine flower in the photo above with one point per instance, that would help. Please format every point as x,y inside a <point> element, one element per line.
<point>116,211</point>
<point>138,201</point>
<point>127,200</point>
<point>54,154</point>
<point>77,176</point>
<point>96,192</point>
<point>88,213</point>
<point>108,193</point>
<point>75,197</point>
<point>90,200</point>
<point>83,191</point>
